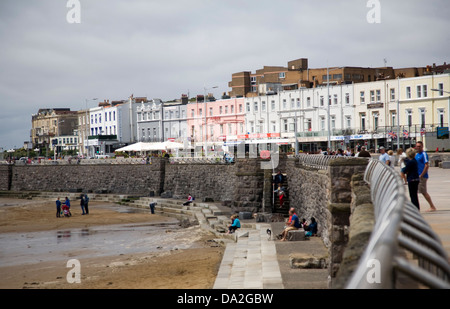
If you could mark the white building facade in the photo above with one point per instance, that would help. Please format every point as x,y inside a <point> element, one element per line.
<point>111,126</point>
<point>304,113</point>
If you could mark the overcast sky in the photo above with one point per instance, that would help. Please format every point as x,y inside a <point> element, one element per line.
<point>162,49</point>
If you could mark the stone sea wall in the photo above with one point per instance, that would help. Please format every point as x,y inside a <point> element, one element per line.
<point>129,179</point>
<point>327,195</point>
<point>340,206</point>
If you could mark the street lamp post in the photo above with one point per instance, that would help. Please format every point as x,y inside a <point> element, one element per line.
<point>205,139</point>
<point>328,105</point>
<point>87,128</point>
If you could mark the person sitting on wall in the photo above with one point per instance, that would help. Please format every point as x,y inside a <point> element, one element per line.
<point>235,224</point>
<point>312,228</point>
<point>190,200</point>
<point>293,225</point>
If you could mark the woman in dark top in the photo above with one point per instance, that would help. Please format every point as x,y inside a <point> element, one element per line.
<point>410,174</point>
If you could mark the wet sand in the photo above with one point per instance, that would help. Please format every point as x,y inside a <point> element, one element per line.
<point>116,248</point>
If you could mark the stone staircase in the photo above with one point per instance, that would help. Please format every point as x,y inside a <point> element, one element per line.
<point>286,203</point>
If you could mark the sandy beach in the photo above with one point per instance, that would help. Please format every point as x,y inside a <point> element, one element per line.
<point>190,262</point>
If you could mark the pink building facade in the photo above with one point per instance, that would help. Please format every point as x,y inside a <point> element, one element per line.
<point>215,122</point>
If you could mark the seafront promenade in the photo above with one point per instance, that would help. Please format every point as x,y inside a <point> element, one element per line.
<point>257,261</point>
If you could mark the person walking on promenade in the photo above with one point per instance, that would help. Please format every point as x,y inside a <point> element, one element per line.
<point>423,165</point>
<point>363,153</point>
<point>82,204</point>
<point>384,157</point>
<point>58,208</point>
<point>411,169</point>
<point>401,157</point>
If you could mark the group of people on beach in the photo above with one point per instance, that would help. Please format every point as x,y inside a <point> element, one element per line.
<point>63,209</point>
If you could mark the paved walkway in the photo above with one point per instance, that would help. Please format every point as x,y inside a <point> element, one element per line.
<point>439,189</point>
<point>252,262</point>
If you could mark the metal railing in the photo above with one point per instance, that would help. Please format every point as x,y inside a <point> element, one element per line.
<point>198,160</point>
<point>318,161</point>
<point>399,229</point>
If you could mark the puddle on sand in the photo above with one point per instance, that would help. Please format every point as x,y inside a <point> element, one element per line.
<point>29,248</point>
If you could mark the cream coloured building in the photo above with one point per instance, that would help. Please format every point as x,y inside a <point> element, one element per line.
<point>424,106</point>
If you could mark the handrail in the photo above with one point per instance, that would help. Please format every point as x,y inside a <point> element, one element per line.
<point>318,161</point>
<point>399,227</point>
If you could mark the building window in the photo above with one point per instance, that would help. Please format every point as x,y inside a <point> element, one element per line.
<point>210,111</point>
<point>226,109</point>
<point>363,122</point>
<point>441,89</point>
<point>393,119</point>
<point>263,106</point>
<point>282,75</point>
<point>362,97</point>
<point>347,98</point>
<point>322,123</point>
<point>425,91</point>
<point>422,117</point>
<point>375,121</point>
<point>285,125</point>
<point>220,110</point>
<point>292,103</point>
<point>409,117</point>
<point>419,92</point>
<point>274,126</point>
<point>408,92</point>
<point>392,94</point>
<point>232,109</point>
<point>272,105</point>
<point>240,108</point>
<point>378,95</point>
<point>192,113</point>
<point>298,102</point>
<point>308,102</point>
<point>333,122</point>
<point>255,107</point>
<point>372,96</point>
<point>248,107</point>
<point>348,122</point>
<point>335,100</point>
<point>441,117</point>
<point>284,104</point>
<point>321,100</point>
<point>308,125</point>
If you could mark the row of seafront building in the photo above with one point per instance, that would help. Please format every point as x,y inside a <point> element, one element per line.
<point>388,112</point>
